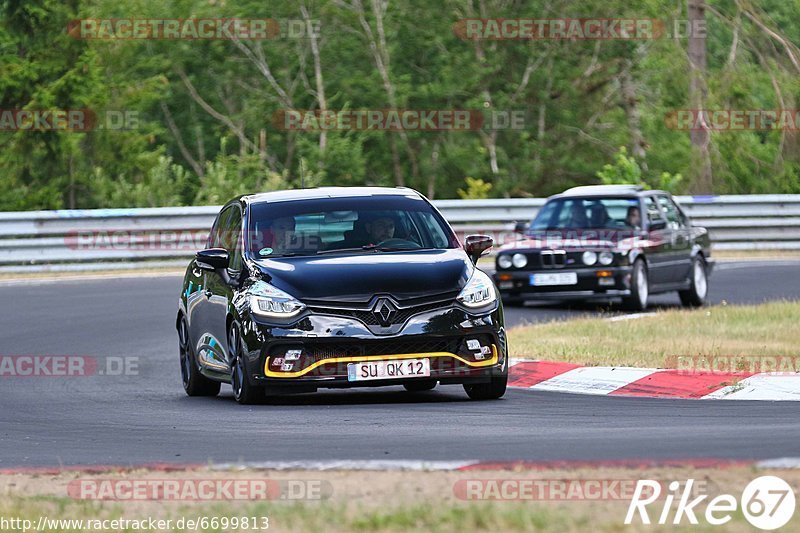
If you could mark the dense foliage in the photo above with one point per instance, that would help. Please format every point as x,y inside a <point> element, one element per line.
<point>204,109</point>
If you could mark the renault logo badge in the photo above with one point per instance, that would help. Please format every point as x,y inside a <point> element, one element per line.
<point>384,311</point>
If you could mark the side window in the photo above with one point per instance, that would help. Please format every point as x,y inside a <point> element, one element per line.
<point>227,234</point>
<point>671,212</point>
<point>232,238</point>
<point>653,211</point>
<point>215,238</point>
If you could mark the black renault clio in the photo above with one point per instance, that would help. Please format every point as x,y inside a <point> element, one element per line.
<point>339,287</point>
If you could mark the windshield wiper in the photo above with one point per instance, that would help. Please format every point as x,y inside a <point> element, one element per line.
<point>286,254</point>
<point>371,248</point>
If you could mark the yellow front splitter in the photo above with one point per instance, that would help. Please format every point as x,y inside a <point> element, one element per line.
<point>364,359</point>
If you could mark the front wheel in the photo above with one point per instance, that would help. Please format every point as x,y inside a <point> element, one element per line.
<point>640,288</point>
<point>512,301</point>
<point>243,391</point>
<point>493,390</point>
<point>695,295</point>
<point>194,383</point>
<point>419,386</point>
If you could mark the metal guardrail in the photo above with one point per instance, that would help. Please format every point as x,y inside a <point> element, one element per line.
<point>59,240</point>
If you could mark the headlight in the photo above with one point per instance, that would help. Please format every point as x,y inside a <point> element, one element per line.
<point>479,291</point>
<point>271,302</point>
<point>519,260</point>
<point>606,258</point>
<point>589,258</point>
<point>504,261</point>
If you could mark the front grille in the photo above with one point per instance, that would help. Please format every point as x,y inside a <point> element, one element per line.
<point>368,317</point>
<point>328,350</point>
<point>553,258</point>
<point>325,351</point>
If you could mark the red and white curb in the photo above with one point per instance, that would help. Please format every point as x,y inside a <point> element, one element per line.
<point>653,382</point>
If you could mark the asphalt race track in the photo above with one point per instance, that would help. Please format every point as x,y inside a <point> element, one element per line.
<point>146,418</point>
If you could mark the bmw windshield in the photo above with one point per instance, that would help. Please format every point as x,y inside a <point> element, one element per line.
<point>345,225</point>
<point>588,213</point>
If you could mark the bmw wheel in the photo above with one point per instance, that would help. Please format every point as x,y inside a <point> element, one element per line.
<point>640,288</point>
<point>695,295</point>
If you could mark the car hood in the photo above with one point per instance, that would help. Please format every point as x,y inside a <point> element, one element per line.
<point>358,277</point>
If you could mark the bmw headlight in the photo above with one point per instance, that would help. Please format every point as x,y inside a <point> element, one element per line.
<point>589,258</point>
<point>504,261</point>
<point>519,260</point>
<point>606,258</point>
<point>270,302</point>
<point>479,291</point>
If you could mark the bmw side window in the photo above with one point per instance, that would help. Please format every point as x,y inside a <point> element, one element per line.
<point>653,211</point>
<point>671,213</point>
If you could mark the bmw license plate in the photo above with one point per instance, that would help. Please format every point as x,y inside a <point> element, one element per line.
<point>407,368</point>
<point>556,278</point>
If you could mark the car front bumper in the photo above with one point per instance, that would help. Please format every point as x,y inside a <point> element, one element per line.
<point>592,282</point>
<point>322,346</point>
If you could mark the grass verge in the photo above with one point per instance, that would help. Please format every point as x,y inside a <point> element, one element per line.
<point>399,501</point>
<point>767,329</point>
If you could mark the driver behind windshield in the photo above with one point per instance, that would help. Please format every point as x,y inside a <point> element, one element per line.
<point>380,229</point>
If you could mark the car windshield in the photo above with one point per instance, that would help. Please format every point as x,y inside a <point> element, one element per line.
<point>588,213</point>
<point>369,224</point>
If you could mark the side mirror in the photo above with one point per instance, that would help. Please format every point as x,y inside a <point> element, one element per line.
<point>475,245</point>
<point>212,259</point>
<point>521,227</point>
<point>657,225</point>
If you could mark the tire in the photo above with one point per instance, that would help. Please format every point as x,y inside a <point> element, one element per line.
<point>420,386</point>
<point>640,288</point>
<point>512,301</point>
<point>493,390</point>
<point>695,295</point>
<point>243,391</point>
<point>194,383</point>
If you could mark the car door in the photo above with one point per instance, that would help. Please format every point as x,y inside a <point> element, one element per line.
<point>659,245</point>
<point>219,289</point>
<point>681,246</point>
<point>197,306</point>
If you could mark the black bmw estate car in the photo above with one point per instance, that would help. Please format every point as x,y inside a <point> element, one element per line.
<point>339,287</point>
<point>607,241</point>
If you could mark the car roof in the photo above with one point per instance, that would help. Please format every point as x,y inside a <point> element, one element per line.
<point>327,192</point>
<point>606,190</point>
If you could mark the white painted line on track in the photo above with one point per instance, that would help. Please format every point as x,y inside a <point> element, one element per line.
<point>633,316</point>
<point>780,463</point>
<point>349,464</point>
<point>90,277</point>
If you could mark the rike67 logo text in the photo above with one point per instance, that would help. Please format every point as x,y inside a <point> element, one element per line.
<point>767,502</point>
